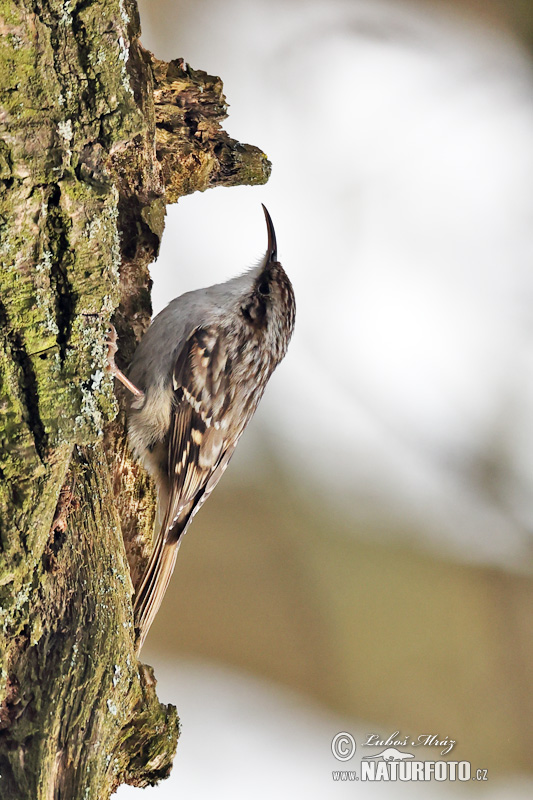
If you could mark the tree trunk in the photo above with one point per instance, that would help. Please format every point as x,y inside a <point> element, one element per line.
<point>96,136</point>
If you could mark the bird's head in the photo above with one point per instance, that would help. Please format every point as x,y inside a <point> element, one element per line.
<point>266,303</point>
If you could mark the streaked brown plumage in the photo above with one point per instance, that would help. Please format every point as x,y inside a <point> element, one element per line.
<point>201,370</point>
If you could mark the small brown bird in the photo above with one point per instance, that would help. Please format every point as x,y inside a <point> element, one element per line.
<point>197,377</point>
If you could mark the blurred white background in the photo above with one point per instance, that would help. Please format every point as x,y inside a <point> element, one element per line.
<point>392,454</point>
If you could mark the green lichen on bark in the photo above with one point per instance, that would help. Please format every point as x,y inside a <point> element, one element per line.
<point>84,179</point>
<point>81,721</point>
<point>69,680</point>
<point>58,284</point>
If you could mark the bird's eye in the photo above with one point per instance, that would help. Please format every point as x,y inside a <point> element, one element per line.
<point>264,288</point>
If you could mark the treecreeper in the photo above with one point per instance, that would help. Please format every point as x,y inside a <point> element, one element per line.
<point>195,381</point>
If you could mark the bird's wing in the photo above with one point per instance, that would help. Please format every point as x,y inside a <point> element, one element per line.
<point>198,438</point>
<point>199,448</point>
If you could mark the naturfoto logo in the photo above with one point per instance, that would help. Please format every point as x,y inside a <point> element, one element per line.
<point>393,763</point>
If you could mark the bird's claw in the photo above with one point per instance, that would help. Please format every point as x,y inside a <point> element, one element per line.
<point>111,367</point>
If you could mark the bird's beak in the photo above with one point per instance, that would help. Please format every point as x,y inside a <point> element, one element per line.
<point>272,248</point>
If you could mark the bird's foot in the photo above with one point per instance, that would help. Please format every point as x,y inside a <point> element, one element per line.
<point>111,367</point>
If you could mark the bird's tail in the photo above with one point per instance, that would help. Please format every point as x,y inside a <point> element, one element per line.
<point>154,583</point>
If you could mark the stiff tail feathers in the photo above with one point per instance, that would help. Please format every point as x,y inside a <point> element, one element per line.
<point>155,582</point>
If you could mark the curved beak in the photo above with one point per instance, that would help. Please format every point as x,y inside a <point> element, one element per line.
<point>272,248</point>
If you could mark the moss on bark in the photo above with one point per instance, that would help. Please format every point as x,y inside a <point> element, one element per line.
<point>87,162</point>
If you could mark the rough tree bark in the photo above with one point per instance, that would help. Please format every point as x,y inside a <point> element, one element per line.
<point>96,137</point>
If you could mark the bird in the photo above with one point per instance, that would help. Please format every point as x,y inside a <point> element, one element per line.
<point>195,380</point>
